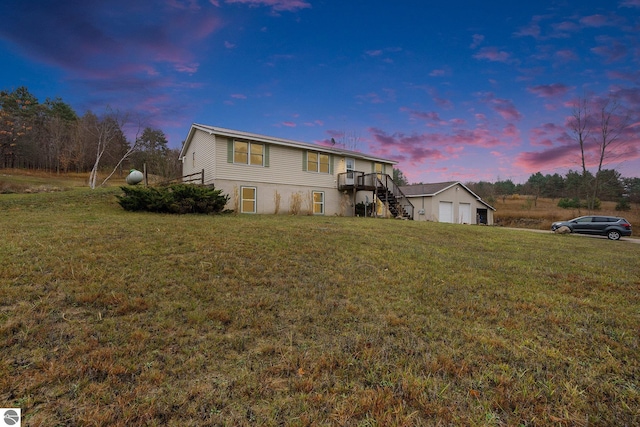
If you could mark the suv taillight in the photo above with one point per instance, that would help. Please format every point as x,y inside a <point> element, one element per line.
<point>626,225</point>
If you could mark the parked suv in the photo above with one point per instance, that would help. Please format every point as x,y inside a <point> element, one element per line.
<point>610,226</point>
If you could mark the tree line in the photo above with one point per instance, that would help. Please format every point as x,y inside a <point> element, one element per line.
<point>51,136</point>
<point>575,186</point>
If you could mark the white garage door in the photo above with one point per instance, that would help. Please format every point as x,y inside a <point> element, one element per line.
<point>465,213</point>
<point>445,213</point>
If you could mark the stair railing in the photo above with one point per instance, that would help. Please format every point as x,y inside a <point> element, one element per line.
<point>386,183</point>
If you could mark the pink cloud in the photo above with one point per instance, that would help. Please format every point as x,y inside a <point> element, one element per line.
<point>596,21</point>
<point>443,103</point>
<point>289,124</point>
<point>561,156</point>
<point>430,116</point>
<point>612,50</point>
<point>276,5</point>
<point>229,45</point>
<point>549,91</point>
<point>372,98</point>
<point>437,73</point>
<point>566,55</point>
<point>477,41</point>
<point>630,3</point>
<point>504,107</point>
<point>414,148</point>
<point>531,30</point>
<point>493,54</point>
<point>238,96</point>
<point>561,29</point>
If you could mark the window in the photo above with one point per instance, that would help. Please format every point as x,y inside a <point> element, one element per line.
<point>318,203</point>
<point>318,162</point>
<point>248,153</point>
<point>248,199</point>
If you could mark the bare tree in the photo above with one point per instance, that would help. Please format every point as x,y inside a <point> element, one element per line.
<point>580,129</point>
<point>105,132</point>
<point>347,140</point>
<point>598,135</point>
<point>611,126</point>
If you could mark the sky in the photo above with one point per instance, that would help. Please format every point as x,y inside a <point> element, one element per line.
<point>452,90</point>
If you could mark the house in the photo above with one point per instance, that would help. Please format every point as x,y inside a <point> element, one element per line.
<point>268,175</point>
<point>448,202</point>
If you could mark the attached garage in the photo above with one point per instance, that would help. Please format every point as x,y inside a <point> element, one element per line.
<point>450,202</point>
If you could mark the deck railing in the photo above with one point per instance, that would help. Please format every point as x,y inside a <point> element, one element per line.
<point>354,180</point>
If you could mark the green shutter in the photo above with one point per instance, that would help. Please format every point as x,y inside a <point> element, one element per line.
<point>229,151</point>
<point>304,160</point>
<point>330,164</point>
<point>266,155</point>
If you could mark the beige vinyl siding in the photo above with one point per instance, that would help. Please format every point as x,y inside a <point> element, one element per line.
<point>285,168</point>
<point>335,202</point>
<point>431,205</point>
<point>204,147</point>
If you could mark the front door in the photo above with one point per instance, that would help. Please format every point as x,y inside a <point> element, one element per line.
<point>350,165</point>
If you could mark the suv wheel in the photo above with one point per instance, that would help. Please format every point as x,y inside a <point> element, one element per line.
<point>613,235</point>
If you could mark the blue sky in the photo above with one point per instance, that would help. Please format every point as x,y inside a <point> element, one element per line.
<point>457,90</point>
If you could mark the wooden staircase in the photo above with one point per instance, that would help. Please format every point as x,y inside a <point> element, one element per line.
<point>383,188</point>
<point>385,195</point>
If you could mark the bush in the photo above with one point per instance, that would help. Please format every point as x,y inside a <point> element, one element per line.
<point>575,203</point>
<point>623,205</point>
<point>567,203</point>
<point>177,198</point>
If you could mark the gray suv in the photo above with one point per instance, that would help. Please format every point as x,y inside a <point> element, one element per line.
<point>610,226</point>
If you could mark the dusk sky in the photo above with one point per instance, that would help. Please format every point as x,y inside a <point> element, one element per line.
<point>452,90</point>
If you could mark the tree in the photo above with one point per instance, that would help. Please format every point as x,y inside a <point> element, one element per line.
<point>535,184</point>
<point>105,133</point>
<point>610,183</point>
<point>632,189</point>
<point>504,188</point>
<point>153,151</point>
<point>611,127</point>
<point>18,112</point>
<point>580,128</point>
<point>597,136</point>
<point>399,178</point>
<point>553,186</point>
<point>60,126</point>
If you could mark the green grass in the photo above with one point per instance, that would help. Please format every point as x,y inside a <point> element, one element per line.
<point>111,318</point>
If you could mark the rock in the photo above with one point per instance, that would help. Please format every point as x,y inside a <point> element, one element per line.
<point>563,230</point>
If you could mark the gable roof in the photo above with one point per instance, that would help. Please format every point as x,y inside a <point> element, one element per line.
<point>276,141</point>
<point>433,189</point>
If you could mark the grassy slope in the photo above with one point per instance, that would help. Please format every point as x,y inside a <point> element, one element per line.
<point>116,318</point>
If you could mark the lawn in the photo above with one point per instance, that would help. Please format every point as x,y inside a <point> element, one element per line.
<point>111,318</point>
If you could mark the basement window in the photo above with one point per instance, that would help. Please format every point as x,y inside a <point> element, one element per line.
<point>248,199</point>
<point>318,203</point>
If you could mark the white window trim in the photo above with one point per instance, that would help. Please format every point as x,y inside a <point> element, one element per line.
<point>255,199</point>
<point>322,204</point>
